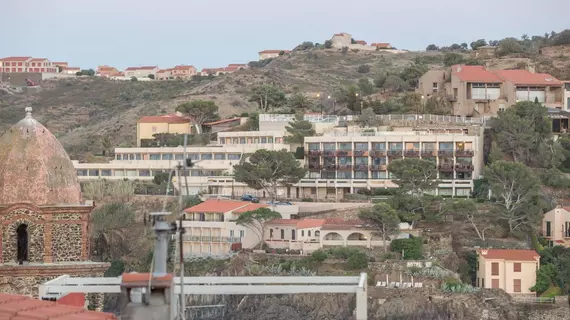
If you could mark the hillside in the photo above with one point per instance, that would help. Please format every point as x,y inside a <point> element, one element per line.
<point>85,111</point>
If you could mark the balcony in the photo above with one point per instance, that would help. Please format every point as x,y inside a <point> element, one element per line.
<point>381,167</point>
<point>411,154</point>
<point>361,167</point>
<point>343,153</point>
<point>344,167</point>
<point>314,153</point>
<point>445,153</point>
<point>464,167</point>
<point>190,238</point>
<point>361,153</point>
<point>329,167</point>
<point>395,153</point>
<point>428,153</point>
<point>377,153</point>
<point>314,167</point>
<point>446,167</point>
<point>329,153</point>
<point>464,153</point>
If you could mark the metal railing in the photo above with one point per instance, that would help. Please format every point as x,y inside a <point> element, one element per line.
<point>318,118</point>
<point>208,238</point>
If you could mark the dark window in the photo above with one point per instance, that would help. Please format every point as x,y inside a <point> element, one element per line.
<point>517,267</point>
<point>292,234</point>
<point>22,243</point>
<point>516,285</point>
<point>282,234</point>
<point>495,269</point>
<point>548,229</point>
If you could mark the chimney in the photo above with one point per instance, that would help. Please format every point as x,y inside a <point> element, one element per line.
<point>531,68</point>
<point>150,296</point>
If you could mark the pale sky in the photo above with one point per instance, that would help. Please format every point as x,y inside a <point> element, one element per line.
<point>214,33</point>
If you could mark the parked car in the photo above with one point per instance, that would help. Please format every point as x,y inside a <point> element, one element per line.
<point>279,203</point>
<point>250,198</point>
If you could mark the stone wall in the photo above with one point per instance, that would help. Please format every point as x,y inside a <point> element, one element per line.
<point>10,224</point>
<point>66,242</point>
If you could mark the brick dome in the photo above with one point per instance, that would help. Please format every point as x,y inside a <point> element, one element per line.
<point>34,167</point>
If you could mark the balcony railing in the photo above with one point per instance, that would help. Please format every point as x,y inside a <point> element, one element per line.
<point>377,153</point>
<point>314,167</point>
<point>464,167</point>
<point>395,153</point>
<point>329,167</point>
<point>344,167</point>
<point>343,153</point>
<point>381,167</point>
<point>412,154</point>
<point>329,153</point>
<point>445,153</point>
<point>315,152</point>
<point>209,239</point>
<point>360,153</point>
<point>361,167</point>
<point>464,153</point>
<point>446,167</point>
<point>428,153</point>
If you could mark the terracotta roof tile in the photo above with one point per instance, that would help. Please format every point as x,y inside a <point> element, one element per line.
<point>141,68</point>
<point>38,59</point>
<point>15,59</point>
<point>509,254</point>
<point>221,121</point>
<point>164,119</point>
<point>310,223</point>
<point>475,74</point>
<point>292,222</point>
<point>524,77</point>
<point>361,42</point>
<point>182,67</point>
<point>222,206</point>
<point>385,45</point>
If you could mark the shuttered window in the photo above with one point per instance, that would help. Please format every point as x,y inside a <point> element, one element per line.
<point>517,267</point>
<point>516,285</point>
<point>495,283</point>
<point>495,269</point>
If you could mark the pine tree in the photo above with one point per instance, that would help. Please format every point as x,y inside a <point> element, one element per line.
<point>299,129</point>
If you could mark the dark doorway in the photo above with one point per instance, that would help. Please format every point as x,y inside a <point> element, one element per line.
<point>22,233</point>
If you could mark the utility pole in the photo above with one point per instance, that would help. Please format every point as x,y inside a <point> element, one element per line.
<point>181,232</point>
<point>186,172</point>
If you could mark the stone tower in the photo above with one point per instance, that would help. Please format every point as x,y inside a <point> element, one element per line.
<point>44,226</point>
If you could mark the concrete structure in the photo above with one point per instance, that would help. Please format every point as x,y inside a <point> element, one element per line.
<point>231,68</point>
<point>60,64</point>
<point>484,52</point>
<point>512,270</point>
<point>476,91</point>
<point>141,72</point>
<point>44,222</point>
<point>70,70</point>
<point>343,39</point>
<point>566,95</point>
<point>556,226</point>
<point>164,74</point>
<point>267,54</point>
<point>26,65</point>
<point>148,126</point>
<point>341,163</point>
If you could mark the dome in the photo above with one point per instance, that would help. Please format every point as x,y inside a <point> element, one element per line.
<point>34,167</point>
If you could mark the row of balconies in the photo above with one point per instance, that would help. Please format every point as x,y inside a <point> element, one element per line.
<point>390,153</point>
<point>364,167</point>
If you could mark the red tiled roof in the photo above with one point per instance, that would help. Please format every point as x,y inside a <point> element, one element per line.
<point>59,63</point>
<point>361,42</point>
<point>24,308</point>
<point>509,254</point>
<point>525,77</point>
<point>15,59</point>
<point>292,222</point>
<point>141,68</point>
<point>38,59</point>
<point>475,74</point>
<point>381,45</point>
<point>222,206</point>
<point>164,119</point>
<point>213,123</point>
<point>182,67</point>
<point>274,51</point>
<point>338,223</point>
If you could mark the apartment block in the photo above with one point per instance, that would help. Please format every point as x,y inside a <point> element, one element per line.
<point>476,91</point>
<point>148,126</point>
<point>512,270</point>
<point>26,65</point>
<point>341,163</point>
<point>141,72</point>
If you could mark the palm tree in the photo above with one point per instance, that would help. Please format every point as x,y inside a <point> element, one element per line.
<point>111,223</point>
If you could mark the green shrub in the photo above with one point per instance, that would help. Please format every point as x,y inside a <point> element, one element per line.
<point>552,292</point>
<point>319,255</point>
<point>454,285</point>
<point>358,260</point>
<point>412,247</point>
<point>343,252</point>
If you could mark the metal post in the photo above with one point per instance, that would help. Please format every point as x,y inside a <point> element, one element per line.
<point>362,298</point>
<point>182,295</point>
<point>180,198</point>
<point>185,166</point>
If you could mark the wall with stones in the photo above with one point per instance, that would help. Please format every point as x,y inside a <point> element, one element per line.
<point>10,223</point>
<point>66,242</point>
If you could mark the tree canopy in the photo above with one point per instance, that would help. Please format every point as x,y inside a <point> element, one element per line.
<point>383,218</point>
<point>199,112</point>
<point>268,169</point>
<point>415,176</point>
<point>268,97</point>
<point>255,220</point>
<point>298,129</point>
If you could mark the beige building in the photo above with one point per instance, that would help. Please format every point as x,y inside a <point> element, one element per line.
<point>148,126</point>
<point>556,226</point>
<point>164,74</point>
<point>107,71</point>
<point>342,39</point>
<point>141,72</point>
<point>476,91</point>
<point>70,70</point>
<point>345,162</point>
<point>26,65</point>
<point>267,54</point>
<point>566,95</point>
<point>183,72</point>
<point>512,270</point>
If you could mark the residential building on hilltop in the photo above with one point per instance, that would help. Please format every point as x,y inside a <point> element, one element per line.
<point>345,162</point>
<point>344,39</point>
<point>26,65</point>
<point>512,270</point>
<point>60,64</point>
<point>164,74</point>
<point>183,72</point>
<point>476,91</point>
<point>556,226</point>
<point>267,54</point>
<point>148,126</point>
<point>70,70</point>
<point>141,72</point>
<point>107,71</point>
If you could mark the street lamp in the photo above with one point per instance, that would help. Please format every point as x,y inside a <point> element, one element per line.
<point>319,97</point>
<point>334,104</point>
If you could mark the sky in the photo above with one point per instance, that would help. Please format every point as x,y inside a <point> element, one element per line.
<point>214,33</point>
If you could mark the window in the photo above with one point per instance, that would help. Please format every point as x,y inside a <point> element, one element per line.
<point>379,175</point>
<point>380,146</point>
<point>361,175</point>
<point>293,234</point>
<point>308,233</point>
<point>154,157</point>
<point>232,233</point>
<point>22,243</point>
<point>270,140</point>
<point>548,230</point>
<point>282,234</point>
<point>495,283</point>
<point>302,233</point>
<point>263,140</point>
<point>167,156</point>
<point>206,156</point>
<point>494,269</point>
<point>360,146</point>
<point>94,173</point>
<point>395,146</point>
<point>344,160</point>
<point>242,140</point>
<point>234,156</point>
<point>219,156</point>
<point>482,282</point>
<point>106,173</point>
<point>435,87</point>
<point>329,146</point>
<point>194,156</point>
<point>138,156</point>
<point>270,233</point>
<point>345,146</point>
<point>314,146</point>
<point>516,285</point>
<point>82,173</point>
<point>144,173</point>
<point>517,267</point>
<point>360,160</point>
<point>153,129</point>
<point>344,175</point>
<point>241,233</point>
<point>317,233</point>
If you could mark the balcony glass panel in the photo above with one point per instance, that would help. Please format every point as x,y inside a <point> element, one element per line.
<point>329,146</point>
<point>206,156</point>
<point>345,146</point>
<point>314,146</point>
<point>446,146</point>
<point>344,160</point>
<point>360,160</point>
<point>380,146</point>
<point>344,175</point>
<point>379,161</point>
<point>379,175</point>
<point>361,175</point>
<point>154,157</point>
<point>428,146</point>
<point>359,146</point>
<point>396,146</point>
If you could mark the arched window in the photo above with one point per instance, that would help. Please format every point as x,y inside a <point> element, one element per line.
<point>309,233</point>
<point>22,243</point>
<point>282,234</point>
<point>302,233</point>
<point>317,233</point>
